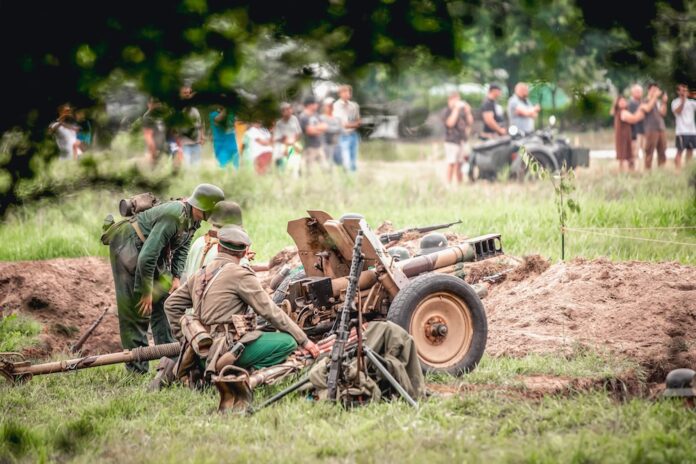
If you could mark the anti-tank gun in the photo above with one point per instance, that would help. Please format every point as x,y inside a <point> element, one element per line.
<point>426,295</point>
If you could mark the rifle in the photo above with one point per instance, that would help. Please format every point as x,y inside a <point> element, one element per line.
<point>343,329</point>
<point>394,236</point>
<point>81,341</point>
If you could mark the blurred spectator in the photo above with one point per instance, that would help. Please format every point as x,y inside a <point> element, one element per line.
<point>624,119</point>
<point>684,108</point>
<point>191,131</point>
<point>84,132</point>
<point>313,130</point>
<point>654,124</point>
<point>286,134</point>
<point>348,112</point>
<point>65,129</point>
<point>458,120</point>
<point>637,130</point>
<point>257,148</point>
<point>492,114</point>
<point>332,133</point>
<point>521,112</point>
<point>154,130</point>
<point>222,127</point>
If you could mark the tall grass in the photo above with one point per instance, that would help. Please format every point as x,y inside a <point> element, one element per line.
<point>406,193</point>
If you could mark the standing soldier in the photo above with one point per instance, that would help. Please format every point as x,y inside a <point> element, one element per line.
<point>148,253</point>
<point>219,295</point>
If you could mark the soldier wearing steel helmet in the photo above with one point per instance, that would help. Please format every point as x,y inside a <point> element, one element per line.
<point>148,253</point>
<point>204,248</point>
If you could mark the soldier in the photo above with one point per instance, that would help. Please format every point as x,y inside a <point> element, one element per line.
<point>204,249</point>
<point>148,253</point>
<point>432,243</point>
<point>219,294</point>
<point>681,384</point>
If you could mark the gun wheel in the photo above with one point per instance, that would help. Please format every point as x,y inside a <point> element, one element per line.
<point>446,319</point>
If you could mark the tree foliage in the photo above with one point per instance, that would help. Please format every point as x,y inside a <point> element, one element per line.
<point>259,52</point>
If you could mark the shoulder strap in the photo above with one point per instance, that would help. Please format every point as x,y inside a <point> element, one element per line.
<point>206,287</point>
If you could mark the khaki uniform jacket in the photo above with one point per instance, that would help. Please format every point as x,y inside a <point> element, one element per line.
<point>227,294</point>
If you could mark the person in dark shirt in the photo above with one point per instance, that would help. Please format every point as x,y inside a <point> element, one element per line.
<point>492,114</point>
<point>458,120</point>
<point>313,129</point>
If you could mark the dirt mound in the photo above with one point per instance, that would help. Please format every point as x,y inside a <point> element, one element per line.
<point>645,311</point>
<point>65,296</point>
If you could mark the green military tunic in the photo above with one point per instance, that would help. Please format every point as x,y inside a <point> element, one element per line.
<point>225,288</point>
<point>142,268</point>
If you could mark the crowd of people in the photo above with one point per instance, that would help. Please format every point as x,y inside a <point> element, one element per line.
<point>639,125</point>
<point>317,136</point>
<point>458,120</point>
<point>322,134</point>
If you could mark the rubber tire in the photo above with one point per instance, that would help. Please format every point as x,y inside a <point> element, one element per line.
<point>406,301</point>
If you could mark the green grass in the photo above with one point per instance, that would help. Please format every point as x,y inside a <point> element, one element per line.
<point>408,194</point>
<point>105,414</point>
<point>17,332</point>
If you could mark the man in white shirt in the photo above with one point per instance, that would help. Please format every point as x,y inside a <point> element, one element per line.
<point>348,112</point>
<point>684,108</point>
<point>521,112</point>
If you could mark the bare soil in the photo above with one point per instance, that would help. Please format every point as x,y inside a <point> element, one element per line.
<point>643,311</point>
<point>65,296</point>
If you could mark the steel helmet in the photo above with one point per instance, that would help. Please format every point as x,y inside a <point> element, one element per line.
<point>680,383</point>
<point>205,197</point>
<point>399,253</point>
<point>433,243</point>
<point>225,213</point>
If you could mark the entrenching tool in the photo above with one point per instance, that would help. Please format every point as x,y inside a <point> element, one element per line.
<point>15,368</point>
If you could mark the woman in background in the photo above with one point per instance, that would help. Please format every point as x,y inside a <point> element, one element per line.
<point>623,120</point>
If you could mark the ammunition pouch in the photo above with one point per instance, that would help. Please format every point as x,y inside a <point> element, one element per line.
<point>197,335</point>
<point>243,324</point>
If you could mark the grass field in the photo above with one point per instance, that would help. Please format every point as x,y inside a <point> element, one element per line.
<point>106,415</point>
<point>407,193</point>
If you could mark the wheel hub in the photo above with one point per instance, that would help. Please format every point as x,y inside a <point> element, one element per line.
<point>442,328</point>
<point>436,330</point>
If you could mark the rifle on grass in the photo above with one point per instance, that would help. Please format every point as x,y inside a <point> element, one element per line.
<point>394,236</point>
<point>343,329</point>
<point>81,341</point>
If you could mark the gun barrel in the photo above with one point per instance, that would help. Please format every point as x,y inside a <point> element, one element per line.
<point>447,257</point>
<point>146,353</point>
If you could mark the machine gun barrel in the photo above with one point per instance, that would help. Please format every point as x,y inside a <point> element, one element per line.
<point>19,370</point>
<point>342,330</point>
<point>393,236</point>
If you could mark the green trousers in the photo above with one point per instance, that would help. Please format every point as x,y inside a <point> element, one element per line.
<point>123,251</point>
<point>269,349</point>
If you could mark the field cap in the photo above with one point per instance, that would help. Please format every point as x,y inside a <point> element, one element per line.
<point>233,238</point>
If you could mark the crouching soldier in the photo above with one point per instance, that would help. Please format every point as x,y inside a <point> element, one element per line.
<point>219,330</point>
<point>148,252</point>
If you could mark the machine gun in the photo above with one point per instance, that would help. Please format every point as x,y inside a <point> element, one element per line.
<point>394,236</point>
<point>342,328</point>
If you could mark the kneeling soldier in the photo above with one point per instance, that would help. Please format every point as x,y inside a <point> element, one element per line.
<point>219,330</point>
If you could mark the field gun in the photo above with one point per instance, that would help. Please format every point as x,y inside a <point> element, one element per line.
<point>425,295</point>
